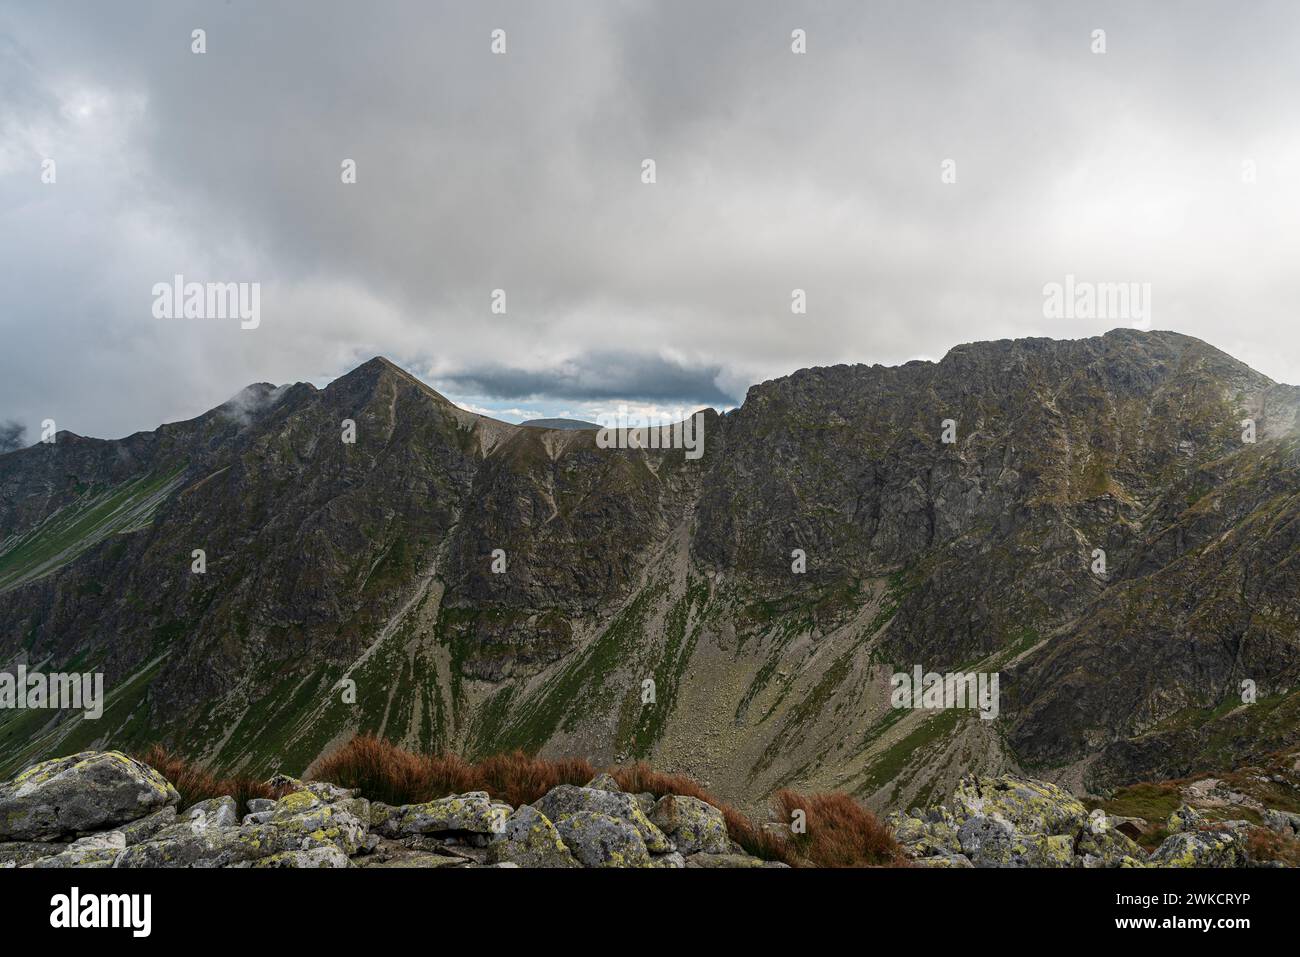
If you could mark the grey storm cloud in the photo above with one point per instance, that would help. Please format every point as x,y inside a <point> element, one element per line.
<point>12,436</point>
<point>521,172</point>
<point>599,376</point>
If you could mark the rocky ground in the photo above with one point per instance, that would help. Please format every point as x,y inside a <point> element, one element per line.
<point>1016,822</point>
<point>104,809</point>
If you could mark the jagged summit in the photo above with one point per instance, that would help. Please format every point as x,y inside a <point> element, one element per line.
<point>379,370</point>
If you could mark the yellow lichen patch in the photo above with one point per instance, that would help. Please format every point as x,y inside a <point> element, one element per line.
<point>297,802</point>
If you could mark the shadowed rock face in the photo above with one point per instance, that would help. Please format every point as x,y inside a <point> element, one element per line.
<point>352,586</point>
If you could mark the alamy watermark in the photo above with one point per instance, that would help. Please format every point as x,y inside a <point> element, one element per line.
<point>1078,299</point>
<point>75,909</point>
<point>179,299</point>
<point>931,691</point>
<point>624,430</point>
<point>35,691</point>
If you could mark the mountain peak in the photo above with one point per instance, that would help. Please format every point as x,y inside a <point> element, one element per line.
<point>374,372</point>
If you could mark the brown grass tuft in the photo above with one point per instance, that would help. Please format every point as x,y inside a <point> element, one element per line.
<point>195,784</point>
<point>385,772</point>
<point>840,832</point>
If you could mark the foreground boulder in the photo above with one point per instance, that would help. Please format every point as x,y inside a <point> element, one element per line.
<point>1107,845</point>
<point>692,825</point>
<point>343,822</point>
<point>566,800</point>
<point>97,850</point>
<point>317,857</point>
<point>530,840</point>
<point>999,822</point>
<point>1030,807</point>
<point>22,853</point>
<point>179,846</point>
<point>215,812</point>
<point>600,840</point>
<point>472,813</point>
<point>145,828</point>
<point>80,794</point>
<point>1210,848</point>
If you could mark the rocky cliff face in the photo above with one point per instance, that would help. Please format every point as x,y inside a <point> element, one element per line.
<point>351,586</point>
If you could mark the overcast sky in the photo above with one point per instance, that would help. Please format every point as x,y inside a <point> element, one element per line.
<point>523,172</point>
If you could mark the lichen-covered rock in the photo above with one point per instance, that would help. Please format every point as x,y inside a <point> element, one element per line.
<point>283,786</point>
<point>1014,822</point>
<point>925,837</point>
<point>390,853</point>
<point>1200,848</point>
<point>935,815</point>
<point>1050,850</point>
<point>530,840</point>
<point>1107,847</point>
<point>907,828</point>
<point>329,793</point>
<point>1031,807</point>
<point>178,846</point>
<point>317,857</point>
<point>944,860</point>
<point>19,853</point>
<point>147,827</point>
<point>97,850</point>
<point>473,812</point>
<point>1185,818</point>
<point>724,860</point>
<point>599,840</point>
<point>992,841</point>
<point>567,799</point>
<point>691,824</point>
<point>80,794</point>
<point>214,812</point>
<point>344,822</point>
<point>604,782</point>
<point>987,841</point>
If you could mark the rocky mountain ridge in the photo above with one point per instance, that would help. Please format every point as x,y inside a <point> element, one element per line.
<point>351,586</point>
